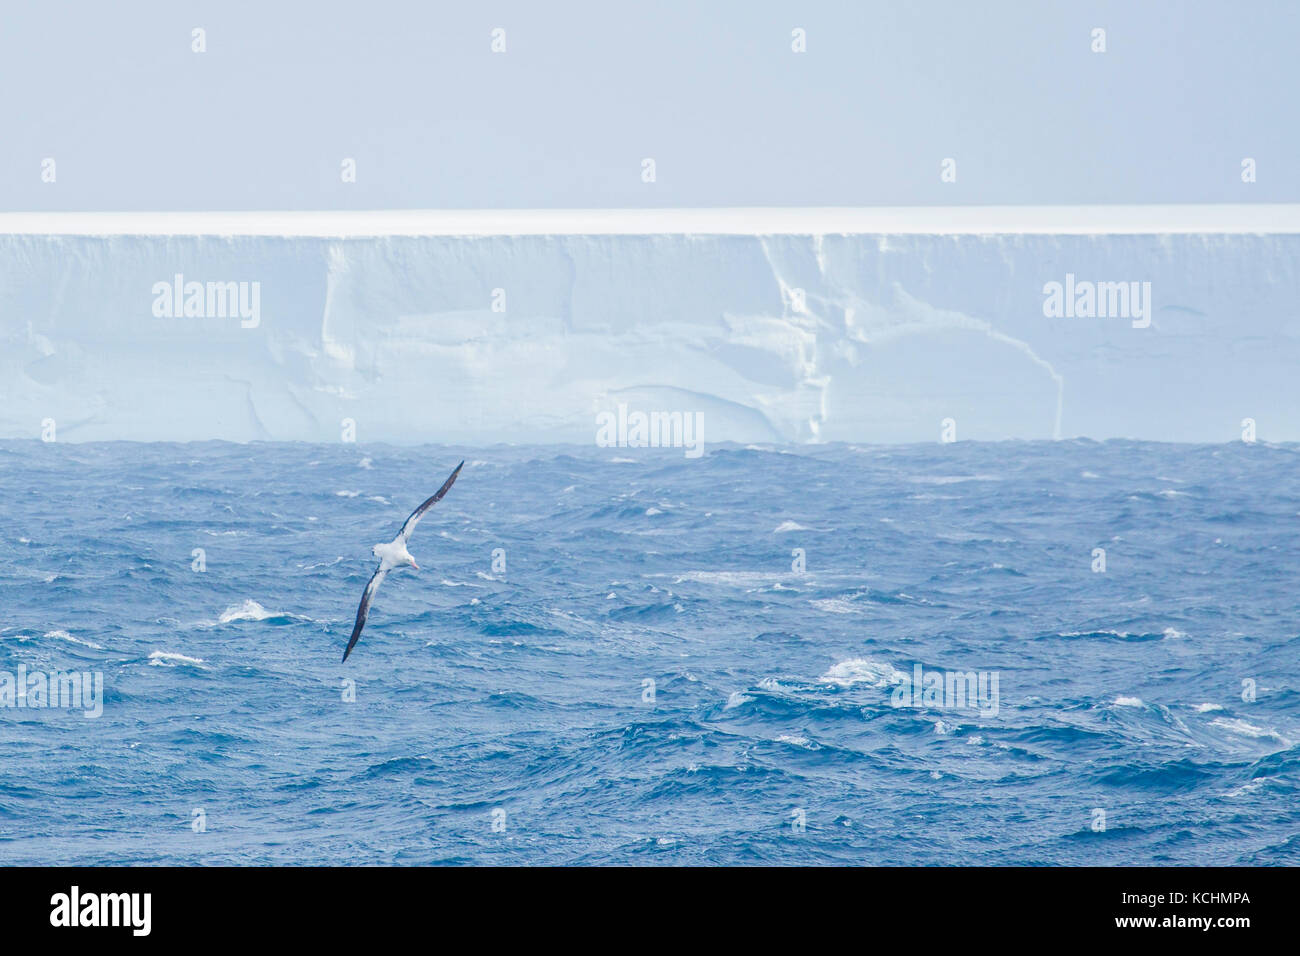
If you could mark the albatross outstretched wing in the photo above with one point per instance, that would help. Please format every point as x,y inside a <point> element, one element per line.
<point>363,610</point>
<point>418,513</point>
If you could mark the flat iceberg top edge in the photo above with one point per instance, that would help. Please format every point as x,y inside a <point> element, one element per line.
<point>1262,218</point>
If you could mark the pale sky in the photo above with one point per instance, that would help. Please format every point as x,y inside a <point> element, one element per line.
<point>584,92</point>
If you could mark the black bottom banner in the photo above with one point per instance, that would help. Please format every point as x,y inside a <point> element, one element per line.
<point>333,905</point>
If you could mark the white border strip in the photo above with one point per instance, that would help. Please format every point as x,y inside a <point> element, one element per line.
<point>1062,220</point>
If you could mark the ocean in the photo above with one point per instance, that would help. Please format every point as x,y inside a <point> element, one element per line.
<point>628,656</point>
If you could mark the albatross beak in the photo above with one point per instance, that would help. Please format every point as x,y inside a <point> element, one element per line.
<point>414,565</point>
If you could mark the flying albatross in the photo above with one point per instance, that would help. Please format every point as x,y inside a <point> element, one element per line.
<point>394,555</point>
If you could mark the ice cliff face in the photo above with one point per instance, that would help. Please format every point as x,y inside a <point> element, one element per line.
<point>791,338</point>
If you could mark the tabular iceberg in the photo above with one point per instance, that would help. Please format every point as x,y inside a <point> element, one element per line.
<point>764,338</point>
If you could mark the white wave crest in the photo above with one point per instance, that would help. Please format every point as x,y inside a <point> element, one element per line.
<point>835,606</point>
<point>65,636</point>
<point>172,659</point>
<point>1236,725</point>
<point>248,611</point>
<point>859,670</point>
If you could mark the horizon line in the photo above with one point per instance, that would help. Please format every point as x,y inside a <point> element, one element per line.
<point>726,444</point>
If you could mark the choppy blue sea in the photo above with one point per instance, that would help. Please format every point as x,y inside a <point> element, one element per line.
<point>1147,713</point>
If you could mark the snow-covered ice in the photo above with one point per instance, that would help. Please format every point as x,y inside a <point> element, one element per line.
<point>775,325</point>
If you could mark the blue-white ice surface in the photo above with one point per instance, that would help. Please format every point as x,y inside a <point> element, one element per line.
<point>525,339</point>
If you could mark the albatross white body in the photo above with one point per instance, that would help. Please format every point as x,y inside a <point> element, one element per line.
<point>393,556</point>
